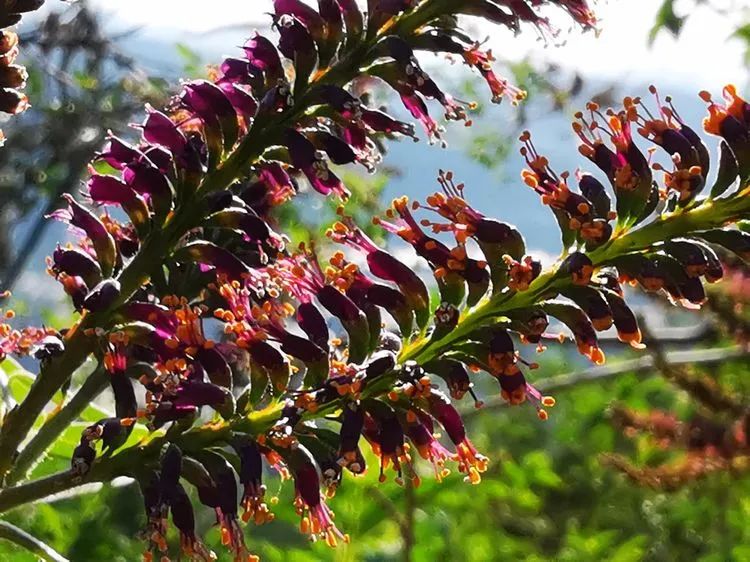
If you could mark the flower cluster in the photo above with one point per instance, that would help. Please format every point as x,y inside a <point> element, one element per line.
<point>26,341</point>
<point>12,76</point>
<point>186,286</point>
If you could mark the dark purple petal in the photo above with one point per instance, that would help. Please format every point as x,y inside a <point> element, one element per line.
<point>102,296</point>
<point>304,13</point>
<point>80,217</point>
<point>263,55</point>
<point>148,180</point>
<point>156,315</point>
<point>311,162</point>
<point>301,348</point>
<point>208,101</point>
<point>167,412</point>
<point>199,394</point>
<point>225,262</point>
<point>125,402</point>
<point>448,417</point>
<point>160,129</point>
<point>312,322</point>
<point>109,190</point>
<point>171,469</point>
<point>160,157</point>
<point>117,153</point>
<point>241,99</point>
<point>383,123</point>
<point>83,459</point>
<point>237,71</point>
<point>295,41</point>
<point>76,262</point>
<point>216,367</point>
<point>337,150</point>
<point>385,266</point>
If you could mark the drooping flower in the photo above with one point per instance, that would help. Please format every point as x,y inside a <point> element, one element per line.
<point>312,163</point>
<point>475,57</point>
<point>250,476</point>
<point>316,516</point>
<point>384,432</point>
<point>470,462</point>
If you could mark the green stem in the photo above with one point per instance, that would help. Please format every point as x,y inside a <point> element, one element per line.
<point>21,538</point>
<point>51,430</point>
<point>708,215</point>
<point>21,418</point>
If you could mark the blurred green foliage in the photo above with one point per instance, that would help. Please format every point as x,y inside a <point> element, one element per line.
<point>673,15</point>
<point>545,497</point>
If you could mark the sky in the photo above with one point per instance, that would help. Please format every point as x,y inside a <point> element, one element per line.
<point>619,50</point>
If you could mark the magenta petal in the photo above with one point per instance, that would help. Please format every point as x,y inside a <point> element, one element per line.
<point>304,13</point>
<point>146,179</point>
<point>240,98</point>
<point>263,55</point>
<point>207,100</point>
<point>159,129</point>
<point>158,316</point>
<point>109,190</point>
<point>117,153</point>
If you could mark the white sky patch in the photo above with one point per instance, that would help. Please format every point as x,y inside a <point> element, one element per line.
<point>702,54</point>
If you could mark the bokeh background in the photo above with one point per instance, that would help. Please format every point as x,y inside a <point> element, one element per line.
<point>548,495</point>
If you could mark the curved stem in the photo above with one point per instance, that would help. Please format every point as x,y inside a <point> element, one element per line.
<point>708,215</point>
<point>51,430</point>
<point>21,538</point>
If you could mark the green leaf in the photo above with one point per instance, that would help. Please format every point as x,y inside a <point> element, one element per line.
<point>19,380</point>
<point>666,19</point>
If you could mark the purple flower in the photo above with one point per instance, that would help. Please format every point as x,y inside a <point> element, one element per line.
<point>312,322</point>
<point>250,476</point>
<point>151,182</point>
<point>83,219</point>
<point>317,518</point>
<point>384,266</point>
<point>209,102</point>
<point>470,462</point>
<point>210,255</point>
<point>83,459</point>
<point>296,42</point>
<point>102,296</point>
<point>76,262</point>
<point>109,190</point>
<point>349,454</point>
<point>238,71</point>
<point>383,123</point>
<point>420,430</point>
<point>117,153</point>
<point>241,99</point>
<point>313,165</point>
<point>383,431</point>
<point>184,519</point>
<point>414,102</point>
<point>304,14</point>
<point>262,54</point>
<point>159,129</point>
<point>624,319</point>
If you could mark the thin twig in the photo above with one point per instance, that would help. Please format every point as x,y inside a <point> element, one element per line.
<point>51,430</point>
<point>21,538</point>
<point>642,367</point>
